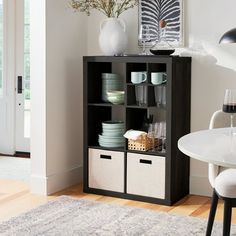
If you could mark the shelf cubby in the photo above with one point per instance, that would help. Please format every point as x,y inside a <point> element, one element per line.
<point>156,67</point>
<point>94,73</point>
<point>135,118</point>
<point>151,96</point>
<point>134,67</point>
<point>96,115</point>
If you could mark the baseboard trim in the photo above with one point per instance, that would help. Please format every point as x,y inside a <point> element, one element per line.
<point>56,182</point>
<point>22,154</point>
<point>200,185</point>
<point>17,154</point>
<point>47,185</point>
<point>60,181</point>
<point>38,184</point>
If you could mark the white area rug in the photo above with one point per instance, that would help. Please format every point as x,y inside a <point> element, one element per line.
<point>15,168</point>
<point>67,216</point>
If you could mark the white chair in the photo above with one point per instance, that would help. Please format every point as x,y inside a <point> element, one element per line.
<point>222,180</point>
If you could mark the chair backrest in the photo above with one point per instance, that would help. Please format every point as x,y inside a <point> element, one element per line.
<point>219,119</point>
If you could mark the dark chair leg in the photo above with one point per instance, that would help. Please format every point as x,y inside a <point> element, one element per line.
<point>214,202</point>
<point>227,217</point>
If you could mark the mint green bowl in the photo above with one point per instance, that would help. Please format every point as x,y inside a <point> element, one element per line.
<point>116,97</point>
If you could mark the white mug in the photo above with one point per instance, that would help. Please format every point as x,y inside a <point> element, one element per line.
<point>158,78</point>
<point>138,77</point>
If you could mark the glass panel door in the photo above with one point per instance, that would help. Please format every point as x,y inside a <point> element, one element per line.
<point>23,76</point>
<point>26,69</point>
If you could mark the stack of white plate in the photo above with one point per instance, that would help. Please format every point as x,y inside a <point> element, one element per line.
<point>110,82</point>
<point>112,134</point>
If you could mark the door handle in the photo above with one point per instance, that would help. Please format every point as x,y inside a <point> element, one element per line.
<point>19,85</point>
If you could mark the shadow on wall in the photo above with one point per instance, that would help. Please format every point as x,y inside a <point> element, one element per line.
<point>74,113</point>
<point>209,82</point>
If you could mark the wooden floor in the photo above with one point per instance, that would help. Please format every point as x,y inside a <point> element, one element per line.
<point>16,198</point>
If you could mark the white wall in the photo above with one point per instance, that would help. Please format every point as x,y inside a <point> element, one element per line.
<point>58,42</point>
<point>213,65</point>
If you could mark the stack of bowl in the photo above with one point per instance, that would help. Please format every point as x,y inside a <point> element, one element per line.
<point>116,97</point>
<point>110,82</point>
<point>112,134</point>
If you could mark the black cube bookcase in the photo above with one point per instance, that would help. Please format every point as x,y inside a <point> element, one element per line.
<point>150,176</point>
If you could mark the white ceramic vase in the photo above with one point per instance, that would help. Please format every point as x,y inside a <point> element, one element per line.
<point>112,38</point>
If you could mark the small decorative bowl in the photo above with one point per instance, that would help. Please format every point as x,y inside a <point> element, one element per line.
<point>162,51</point>
<point>116,97</point>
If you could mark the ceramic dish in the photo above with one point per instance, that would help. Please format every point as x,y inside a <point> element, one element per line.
<point>115,133</point>
<point>115,128</point>
<point>112,139</point>
<point>115,101</point>
<point>103,144</point>
<point>113,123</point>
<point>162,52</point>
<point>117,93</point>
<point>109,76</point>
<point>112,134</point>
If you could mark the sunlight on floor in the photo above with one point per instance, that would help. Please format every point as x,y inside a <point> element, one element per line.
<point>13,168</point>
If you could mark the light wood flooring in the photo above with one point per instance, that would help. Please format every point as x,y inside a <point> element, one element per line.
<point>16,198</point>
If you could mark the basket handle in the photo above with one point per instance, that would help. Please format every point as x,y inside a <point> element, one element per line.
<point>143,161</point>
<point>105,157</point>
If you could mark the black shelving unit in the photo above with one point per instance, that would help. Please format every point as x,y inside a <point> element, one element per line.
<point>150,176</point>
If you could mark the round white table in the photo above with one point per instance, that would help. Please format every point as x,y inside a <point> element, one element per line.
<point>217,147</point>
<point>213,146</point>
